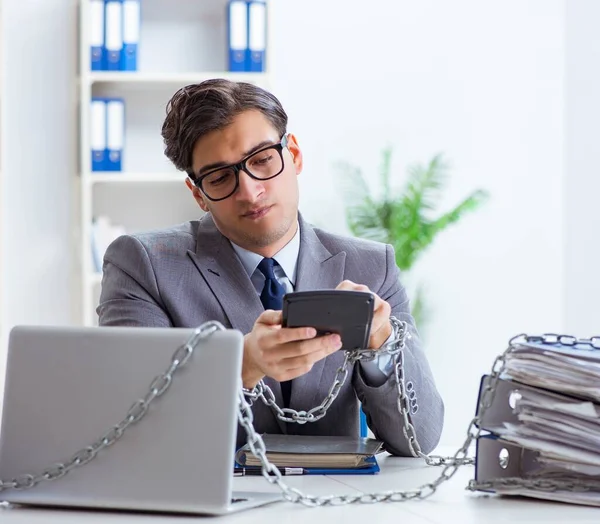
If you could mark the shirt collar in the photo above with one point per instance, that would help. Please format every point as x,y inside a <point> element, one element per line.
<point>286,257</point>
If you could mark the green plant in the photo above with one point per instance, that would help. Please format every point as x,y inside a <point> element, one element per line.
<point>403,219</point>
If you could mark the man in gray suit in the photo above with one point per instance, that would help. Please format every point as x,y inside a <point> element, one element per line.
<point>231,139</point>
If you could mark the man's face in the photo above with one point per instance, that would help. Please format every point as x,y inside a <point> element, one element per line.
<point>261,215</point>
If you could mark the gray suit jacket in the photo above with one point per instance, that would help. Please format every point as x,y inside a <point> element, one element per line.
<point>190,274</point>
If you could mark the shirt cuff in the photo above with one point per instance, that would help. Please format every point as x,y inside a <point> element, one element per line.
<point>377,371</point>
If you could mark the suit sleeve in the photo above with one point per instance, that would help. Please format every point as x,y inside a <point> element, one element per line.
<point>380,403</point>
<point>130,294</point>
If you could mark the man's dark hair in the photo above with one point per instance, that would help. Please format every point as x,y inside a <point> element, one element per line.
<point>198,109</point>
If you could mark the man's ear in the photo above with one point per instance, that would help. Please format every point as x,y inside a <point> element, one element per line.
<point>295,151</point>
<point>197,194</point>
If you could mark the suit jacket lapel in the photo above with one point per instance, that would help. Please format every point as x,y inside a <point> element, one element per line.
<point>223,272</point>
<point>225,275</point>
<point>318,268</point>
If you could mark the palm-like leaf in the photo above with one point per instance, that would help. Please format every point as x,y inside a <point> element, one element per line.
<point>384,171</point>
<point>425,185</point>
<point>405,220</point>
<point>361,210</point>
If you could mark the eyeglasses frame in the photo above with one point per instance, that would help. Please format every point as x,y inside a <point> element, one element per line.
<point>241,166</point>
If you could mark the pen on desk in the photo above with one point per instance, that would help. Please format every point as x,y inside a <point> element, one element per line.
<point>246,472</point>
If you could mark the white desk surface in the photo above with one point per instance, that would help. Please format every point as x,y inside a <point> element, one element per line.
<point>452,503</point>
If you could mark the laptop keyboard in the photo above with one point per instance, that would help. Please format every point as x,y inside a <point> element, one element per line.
<point>233,501</point>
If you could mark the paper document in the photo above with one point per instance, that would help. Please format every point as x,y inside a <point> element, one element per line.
<point>551,430</point>
<point>558,368</point>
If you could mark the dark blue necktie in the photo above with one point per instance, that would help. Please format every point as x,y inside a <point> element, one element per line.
<point>272,298</point>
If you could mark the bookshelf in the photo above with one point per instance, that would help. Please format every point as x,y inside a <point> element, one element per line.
<point>181,42</point>
<point>176,79</point>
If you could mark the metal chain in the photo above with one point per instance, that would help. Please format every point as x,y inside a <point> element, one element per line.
<point>393,348</point>
<point>272,474</point>
<point>538,484</point>
<point>547,483</point>
<point>565,340</point>
<point>265,393</point>
<point>136,412</point>
<point>182,354</point>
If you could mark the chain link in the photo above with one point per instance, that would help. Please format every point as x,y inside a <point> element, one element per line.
<point>394,348</point>
<point>271,473</point>
<point>451,464</point>
<point>137,411</point>
<point>265,393</point>
<point>565,340</point>
<point>508,484</point>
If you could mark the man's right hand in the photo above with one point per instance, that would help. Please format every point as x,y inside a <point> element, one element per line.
<point>282,353</point>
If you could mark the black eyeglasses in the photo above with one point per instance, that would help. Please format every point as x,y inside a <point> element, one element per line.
<point>264,164</point>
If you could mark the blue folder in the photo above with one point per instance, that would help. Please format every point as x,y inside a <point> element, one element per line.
<point>368,470</point>
<point>115,134</point>
<point>257,35</point>
<point>237,34</point>
<point>98,133</point>
<point>96,35</point>
<point>131,35</point>
<point>113,40</point>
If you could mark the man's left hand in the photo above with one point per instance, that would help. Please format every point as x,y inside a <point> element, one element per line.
<point>381,329</point>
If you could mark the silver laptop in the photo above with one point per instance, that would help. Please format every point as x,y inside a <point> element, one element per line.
<point>68,386</point>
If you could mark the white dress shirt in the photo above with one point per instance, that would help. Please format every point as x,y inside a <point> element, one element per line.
<point>376,371</point>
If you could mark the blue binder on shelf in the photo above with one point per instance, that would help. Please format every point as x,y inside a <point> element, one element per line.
<point>131,35</point>
<point>237,33</point>
<point>113,39</point>
<point>257,35</point>
<point>98,133</point>
<point>115,133</point>
<point>96,21</point>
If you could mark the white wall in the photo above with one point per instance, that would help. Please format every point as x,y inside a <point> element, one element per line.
<point>481,82</point>
<point>582,171</point>
<point>38,161</point>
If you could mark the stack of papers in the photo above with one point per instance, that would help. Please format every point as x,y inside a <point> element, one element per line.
<point>571,370</point>
<point>323,452</point>
<point>546,416</point>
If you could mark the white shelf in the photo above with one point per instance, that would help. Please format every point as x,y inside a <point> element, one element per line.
<point>181,43</point>
<point>172,78</point>
<point>121,177</point>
